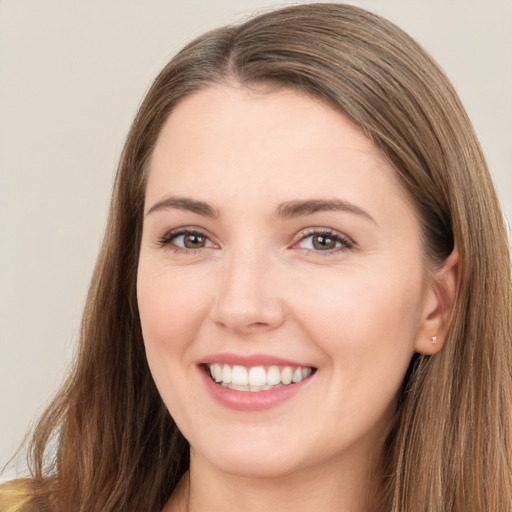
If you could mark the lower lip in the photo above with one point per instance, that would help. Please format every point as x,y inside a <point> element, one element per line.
<point>252,400</point>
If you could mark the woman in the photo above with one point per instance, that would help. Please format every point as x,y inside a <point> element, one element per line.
<point>303,299</point>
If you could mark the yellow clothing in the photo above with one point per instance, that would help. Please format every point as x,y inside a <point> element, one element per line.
<point>15,497</point>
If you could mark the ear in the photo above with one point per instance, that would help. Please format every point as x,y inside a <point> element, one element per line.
<point>439,301</point>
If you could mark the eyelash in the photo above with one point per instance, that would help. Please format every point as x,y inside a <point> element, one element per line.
<point>345,242</point>
<point>168,238</point>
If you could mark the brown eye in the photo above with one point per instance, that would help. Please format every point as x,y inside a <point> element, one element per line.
<point>194,241</point>
<point>323,242</point>
<point>186,240</point>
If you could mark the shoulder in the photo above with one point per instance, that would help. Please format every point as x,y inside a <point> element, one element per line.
<point>15,496</point>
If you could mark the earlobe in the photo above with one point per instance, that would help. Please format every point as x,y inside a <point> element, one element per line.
<point>439,302</point>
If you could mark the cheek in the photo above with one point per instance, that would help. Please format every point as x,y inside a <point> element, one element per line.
<point>170,307</point>
<point>171,313</point>
<point>363,323</point>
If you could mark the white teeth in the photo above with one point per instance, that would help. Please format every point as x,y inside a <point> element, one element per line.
<point>238,388</point>
<point>306,372</point>
<point>239,376</point>
<point>217,370</point>
<point>226,374</point>
<point>286,375</point>
<point>256,378</point>
<point>273,376</point>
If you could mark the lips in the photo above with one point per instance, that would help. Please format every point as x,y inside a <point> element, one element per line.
<point>253,383</point>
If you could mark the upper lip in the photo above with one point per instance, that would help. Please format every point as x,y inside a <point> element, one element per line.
<point>251,360</point>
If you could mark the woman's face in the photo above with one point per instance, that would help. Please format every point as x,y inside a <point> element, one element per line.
<point>278,245</point>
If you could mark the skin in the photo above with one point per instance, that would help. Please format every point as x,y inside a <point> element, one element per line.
<point>257,284</point>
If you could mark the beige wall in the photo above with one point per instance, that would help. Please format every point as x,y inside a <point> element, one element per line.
<point>71,77</point>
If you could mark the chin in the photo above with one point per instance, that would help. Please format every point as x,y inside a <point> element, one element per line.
<point>251,461</point>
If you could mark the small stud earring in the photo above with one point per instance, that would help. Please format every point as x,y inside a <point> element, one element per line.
<point>434,340</point>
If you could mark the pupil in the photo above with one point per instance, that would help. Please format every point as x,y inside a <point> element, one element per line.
<point>194,241</point>
<point>323,242</point>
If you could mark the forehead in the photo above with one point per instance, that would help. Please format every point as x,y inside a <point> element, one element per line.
<point>233,136</point>
<point>263,112</point>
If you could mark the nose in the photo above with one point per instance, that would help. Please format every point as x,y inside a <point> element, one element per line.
<point>248,296</point>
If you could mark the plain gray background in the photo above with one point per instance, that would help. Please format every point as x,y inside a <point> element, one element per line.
<point>71,77</point>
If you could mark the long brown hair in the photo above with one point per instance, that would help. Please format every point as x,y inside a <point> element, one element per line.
<point>107,441</point>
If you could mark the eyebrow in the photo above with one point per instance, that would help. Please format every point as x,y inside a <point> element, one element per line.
<point>184,203</point>
<point>287,210</point>
<point>292,209</point>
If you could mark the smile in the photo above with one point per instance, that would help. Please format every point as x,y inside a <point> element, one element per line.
<point>256,378</point>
